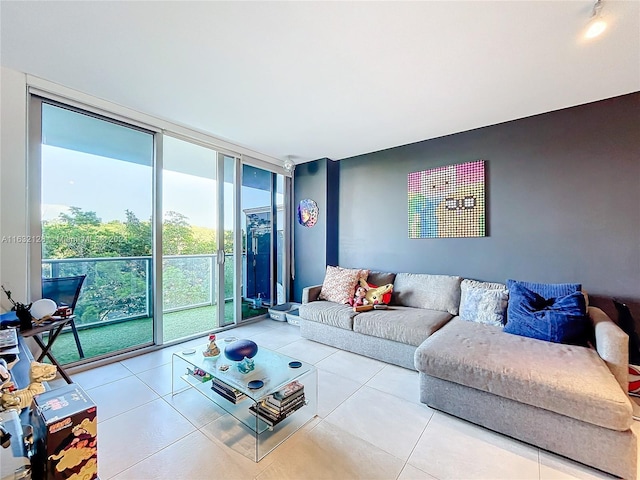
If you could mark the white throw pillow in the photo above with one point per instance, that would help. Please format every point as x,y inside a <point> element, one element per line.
<point>483,302</point>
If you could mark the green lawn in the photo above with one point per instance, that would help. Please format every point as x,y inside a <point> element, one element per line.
<point>109,338</point>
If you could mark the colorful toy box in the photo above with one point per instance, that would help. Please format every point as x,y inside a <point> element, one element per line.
<point>65,435</point>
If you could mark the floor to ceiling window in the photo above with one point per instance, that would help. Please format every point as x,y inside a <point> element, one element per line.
<point>263,237</point>
<point>96,213</point>
<point>197,239</point>
<point>231,253</point>
<point>175,238</point>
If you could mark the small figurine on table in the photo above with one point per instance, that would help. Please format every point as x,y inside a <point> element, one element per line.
<point>212,350</point>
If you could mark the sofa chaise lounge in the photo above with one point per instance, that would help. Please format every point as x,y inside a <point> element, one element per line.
<point>570,400</point>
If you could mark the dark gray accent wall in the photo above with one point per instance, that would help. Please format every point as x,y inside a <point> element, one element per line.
<point>316,247</point>
<point>563,204</point>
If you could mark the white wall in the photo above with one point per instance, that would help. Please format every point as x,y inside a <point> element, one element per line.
<point>13,184</point>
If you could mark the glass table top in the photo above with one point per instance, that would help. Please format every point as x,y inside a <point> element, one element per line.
<point>271,368</point>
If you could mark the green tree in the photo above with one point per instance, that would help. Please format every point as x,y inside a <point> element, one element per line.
<point>78,217</point>
<point>118,288</point>
<point>138,241</point>
<point>176,234</point>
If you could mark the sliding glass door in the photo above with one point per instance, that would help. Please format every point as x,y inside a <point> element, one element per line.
<point>96,204</point>
<point>263,237</point>
<point>198,265</point>
<point>174,238</point>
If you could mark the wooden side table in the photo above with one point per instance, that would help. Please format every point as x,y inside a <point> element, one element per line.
<point>53,328</point>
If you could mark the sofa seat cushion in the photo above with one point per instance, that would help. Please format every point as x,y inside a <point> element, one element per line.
<point>401,324</point>
<point>566,379</point>
<point>329,313</point>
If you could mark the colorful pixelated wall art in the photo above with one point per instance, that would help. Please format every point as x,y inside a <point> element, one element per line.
<point>448,201</point>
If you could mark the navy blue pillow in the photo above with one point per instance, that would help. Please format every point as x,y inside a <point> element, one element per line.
<point>548,290</point>
<point>561,319</point>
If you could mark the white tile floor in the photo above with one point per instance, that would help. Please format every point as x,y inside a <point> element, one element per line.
<point>371,425</point>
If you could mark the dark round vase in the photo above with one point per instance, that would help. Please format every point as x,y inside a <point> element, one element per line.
<point>237,351</point>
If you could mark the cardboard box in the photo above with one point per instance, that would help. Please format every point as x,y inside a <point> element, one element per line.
<point>65,435</point>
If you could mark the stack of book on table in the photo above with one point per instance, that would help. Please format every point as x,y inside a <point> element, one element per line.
<point>278,406</point>
<point>227,391</point>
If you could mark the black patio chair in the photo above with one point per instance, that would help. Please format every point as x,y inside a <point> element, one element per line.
<point>65,292</point>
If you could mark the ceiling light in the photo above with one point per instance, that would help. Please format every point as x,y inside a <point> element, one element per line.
<point>596,25</point>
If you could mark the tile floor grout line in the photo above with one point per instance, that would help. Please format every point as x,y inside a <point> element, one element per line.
<point>102,384</point>
<point>181,414</point>
<point>341,403</point>
<point>126,411</point>
<point>146,370</point>
<point>418,441</point>
<point>152,454</point>
<point>357,436</point>
<point>539,466</point>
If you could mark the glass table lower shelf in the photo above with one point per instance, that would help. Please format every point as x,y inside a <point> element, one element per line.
<point>266,405</point>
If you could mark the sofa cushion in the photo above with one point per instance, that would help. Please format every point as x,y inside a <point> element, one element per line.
<point>434,292</point>
<point>340,283</point>
<point>483,302</point>
<point>560,319</point>
<point>565,379</point>
<point>329,313</point>
<point>401,324</point>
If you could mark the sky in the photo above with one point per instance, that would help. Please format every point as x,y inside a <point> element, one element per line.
<point>109,187</point>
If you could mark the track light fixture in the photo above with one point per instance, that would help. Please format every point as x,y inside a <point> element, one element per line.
<point>597,25</point>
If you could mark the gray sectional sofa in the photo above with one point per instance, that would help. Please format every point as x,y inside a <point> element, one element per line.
<point>567,399</point>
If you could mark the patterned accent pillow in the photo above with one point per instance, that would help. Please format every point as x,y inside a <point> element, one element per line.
<point>483,302</point>
<point>339,284</point>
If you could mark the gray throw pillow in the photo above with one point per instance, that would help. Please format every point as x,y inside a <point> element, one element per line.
<point>421,290</point>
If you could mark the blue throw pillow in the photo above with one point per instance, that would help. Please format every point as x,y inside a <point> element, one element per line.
<point>547,290</point>
<point>561,319</point>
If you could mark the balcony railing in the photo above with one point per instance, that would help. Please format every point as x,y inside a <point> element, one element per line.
<point>118,289</point>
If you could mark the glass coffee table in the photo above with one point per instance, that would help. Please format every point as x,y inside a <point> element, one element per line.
<point>268,404</point>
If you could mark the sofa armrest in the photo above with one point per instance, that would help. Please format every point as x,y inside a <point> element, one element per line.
<point>612,344</point>
<point>311,294</point>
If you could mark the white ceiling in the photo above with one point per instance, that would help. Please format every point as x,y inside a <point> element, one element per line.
<point>328,79</point>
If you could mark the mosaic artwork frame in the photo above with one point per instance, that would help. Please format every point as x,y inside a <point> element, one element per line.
<point>448,201</point>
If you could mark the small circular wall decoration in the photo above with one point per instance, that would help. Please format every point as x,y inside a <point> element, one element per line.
<point>307,212</point>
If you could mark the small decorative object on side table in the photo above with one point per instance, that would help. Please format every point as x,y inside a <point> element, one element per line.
<point>212,350</point>
<point>22,311</point>
<point>242,352</point>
